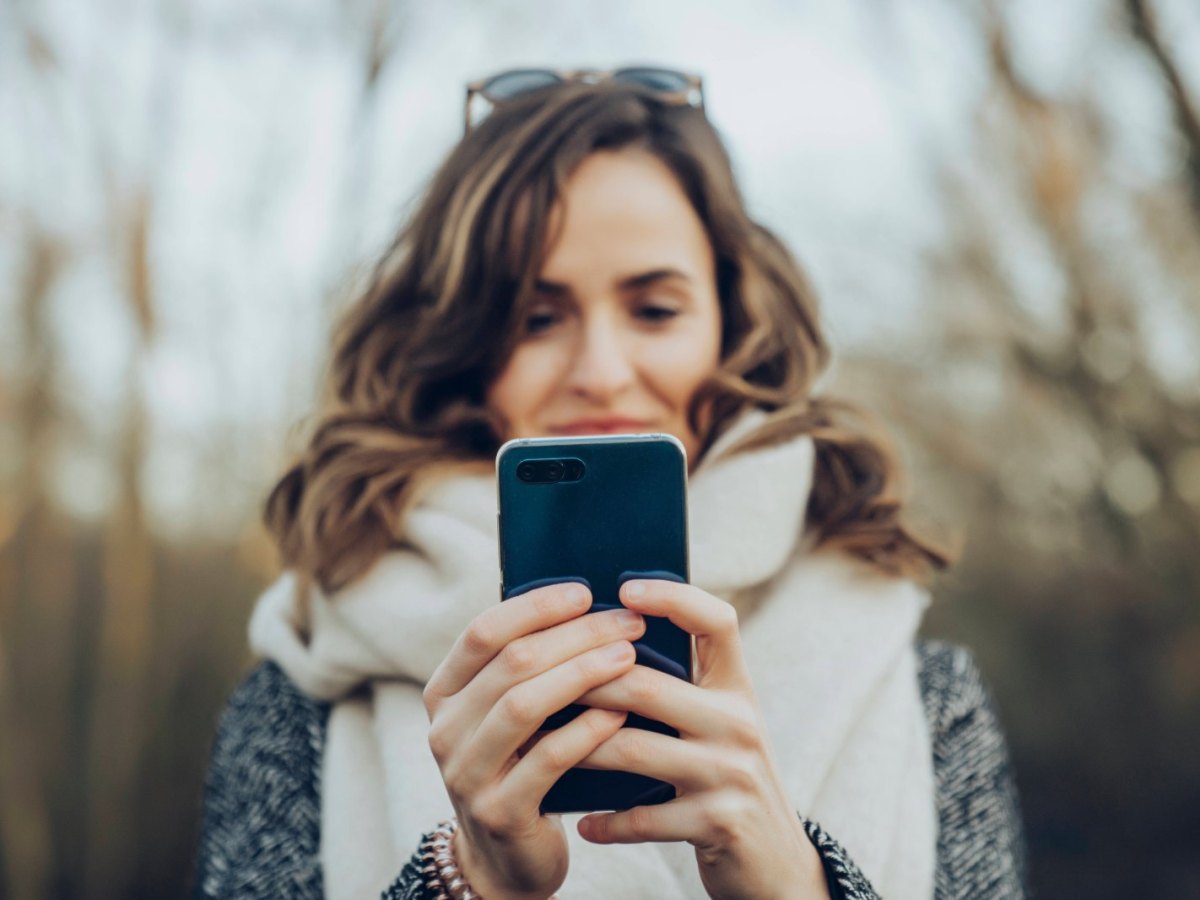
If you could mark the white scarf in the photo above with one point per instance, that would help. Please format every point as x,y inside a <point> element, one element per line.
<point>828,642</point>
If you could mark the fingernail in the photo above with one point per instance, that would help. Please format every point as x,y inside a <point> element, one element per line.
<point>617,652</point>
<point>574,595</point>
<point>629,619</point>
<point>612,716</point>
<point>635,588</point>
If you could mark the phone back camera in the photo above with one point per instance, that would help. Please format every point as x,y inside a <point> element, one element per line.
<point>550,471</point>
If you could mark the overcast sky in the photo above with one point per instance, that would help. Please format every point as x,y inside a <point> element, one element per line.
<point>269,178</point>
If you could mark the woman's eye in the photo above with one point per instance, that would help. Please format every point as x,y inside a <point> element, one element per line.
<point>539,321</point>
<point>657,313</point>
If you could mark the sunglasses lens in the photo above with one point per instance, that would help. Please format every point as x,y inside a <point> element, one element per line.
<point>507,85</point>
<point>674,86</point>
<point>664,80</point>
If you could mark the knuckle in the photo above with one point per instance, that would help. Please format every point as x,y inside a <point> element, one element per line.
<point>598,728</point>
<point>454,790</point>
<point>631,749</point>
<point>519,658</point>
<point>640,822</point>
<point>644,688</point>
<point>478,638</point>
<point>600,627</point>
<point>739,771</point>
<point>544,599</point>
<point>494,817</point>
<point>727,619</point>
<point>430,697</point>
<point>589,668</point>
<point>452,778</point>
<point>519,707</point>
<point>721,814</point>
<point>552,756</point>
<point>742,725</point>
<point>594,667</point>
<point>439,742</point>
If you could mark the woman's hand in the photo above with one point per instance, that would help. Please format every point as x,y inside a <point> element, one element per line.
<point>515,664</point>
<point>730,802</point>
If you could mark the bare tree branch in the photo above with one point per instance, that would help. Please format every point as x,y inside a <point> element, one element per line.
<point>1143,23</point>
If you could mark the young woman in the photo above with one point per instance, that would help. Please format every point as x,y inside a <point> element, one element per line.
<point>583,263</point>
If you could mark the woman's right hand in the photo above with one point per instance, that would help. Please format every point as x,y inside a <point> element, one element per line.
<point>515,664</point>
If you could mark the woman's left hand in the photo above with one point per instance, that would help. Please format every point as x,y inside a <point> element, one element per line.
<point>730,802</point>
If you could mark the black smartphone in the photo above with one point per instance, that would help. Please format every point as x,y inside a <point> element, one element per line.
<point>600,510</point>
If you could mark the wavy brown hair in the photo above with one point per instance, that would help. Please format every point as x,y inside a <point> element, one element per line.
<point>441,313</point>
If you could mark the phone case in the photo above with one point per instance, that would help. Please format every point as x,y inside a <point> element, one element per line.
<point>624,516</point>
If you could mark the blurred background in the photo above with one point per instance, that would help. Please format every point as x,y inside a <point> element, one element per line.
<point>1000,205</point>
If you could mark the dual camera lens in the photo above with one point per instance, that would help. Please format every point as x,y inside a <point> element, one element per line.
<point>549,471</point>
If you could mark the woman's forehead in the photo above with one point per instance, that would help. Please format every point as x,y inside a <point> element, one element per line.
<point>624,213</point>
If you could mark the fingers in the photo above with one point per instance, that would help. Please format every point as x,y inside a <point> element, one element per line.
<point>680,820</point>
<point>684,764</point>
<point>495,627</point>
<point>541,651</point>
<point>459,717</point>
<point>713,622</point>
<point>523,708</point>
<point>559,750</point>
<point>692,710</point>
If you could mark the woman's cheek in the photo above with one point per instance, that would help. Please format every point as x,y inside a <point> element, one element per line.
<point>543,368</point>
<point>514,393</point>
<point>684,360</point>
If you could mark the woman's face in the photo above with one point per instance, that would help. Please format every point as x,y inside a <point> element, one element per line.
<point>625,323</point>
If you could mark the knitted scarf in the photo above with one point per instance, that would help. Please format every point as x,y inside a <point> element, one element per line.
<point>828,642</point>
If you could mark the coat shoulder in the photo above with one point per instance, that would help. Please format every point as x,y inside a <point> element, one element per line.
<point>981,842</point>
<point>260,826</point>
<point>266,707</point>
<point>952,687</point>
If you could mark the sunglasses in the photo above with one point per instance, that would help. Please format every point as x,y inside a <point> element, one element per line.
<point>671,85</point>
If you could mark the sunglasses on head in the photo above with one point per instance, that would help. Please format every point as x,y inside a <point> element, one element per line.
<point>669,84</point>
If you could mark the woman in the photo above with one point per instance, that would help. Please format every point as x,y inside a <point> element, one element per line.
<point>582,262</point>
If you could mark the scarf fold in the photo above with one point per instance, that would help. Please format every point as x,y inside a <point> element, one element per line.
<point>828,642</point>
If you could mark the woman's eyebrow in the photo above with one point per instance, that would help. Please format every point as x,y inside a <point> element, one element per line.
<point>628,282</point>
<point>645,278</point>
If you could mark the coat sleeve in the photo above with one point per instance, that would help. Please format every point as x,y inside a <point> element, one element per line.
<point>261,824</point>
<point>843,879</point>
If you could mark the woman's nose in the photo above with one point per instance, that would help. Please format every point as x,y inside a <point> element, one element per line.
<point>603,366</point>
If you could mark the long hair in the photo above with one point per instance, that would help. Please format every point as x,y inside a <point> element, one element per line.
<point>439,317</point>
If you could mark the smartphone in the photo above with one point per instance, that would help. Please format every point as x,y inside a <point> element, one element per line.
<point>599,510</point>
